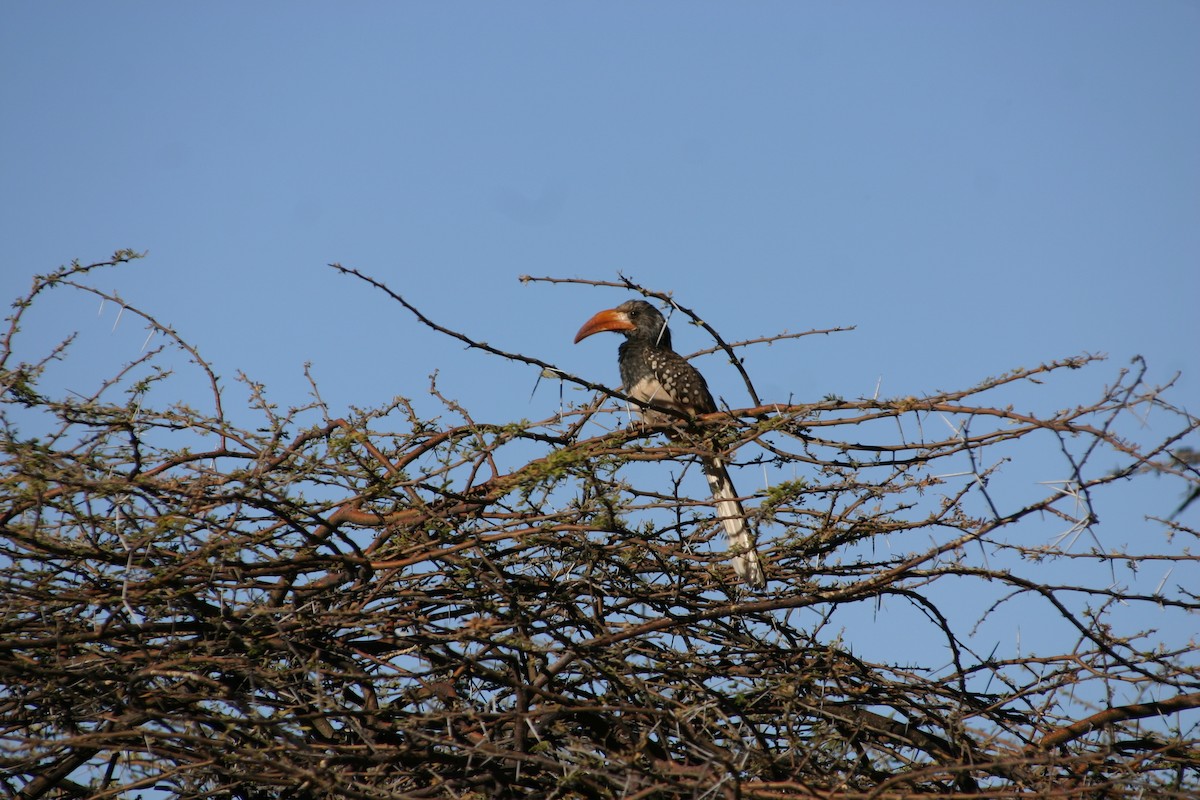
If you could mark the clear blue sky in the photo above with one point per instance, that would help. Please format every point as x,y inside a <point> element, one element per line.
<point>976,186</point>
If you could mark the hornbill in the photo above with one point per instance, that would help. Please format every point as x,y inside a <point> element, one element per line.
<point>653,373</point>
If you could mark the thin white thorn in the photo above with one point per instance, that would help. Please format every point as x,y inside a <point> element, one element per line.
<point>950,425</point>
<point>1161,583</point>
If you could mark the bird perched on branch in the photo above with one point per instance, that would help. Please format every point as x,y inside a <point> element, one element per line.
<point>653,373</point>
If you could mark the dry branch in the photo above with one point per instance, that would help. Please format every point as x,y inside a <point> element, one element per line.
<point>385,606</point>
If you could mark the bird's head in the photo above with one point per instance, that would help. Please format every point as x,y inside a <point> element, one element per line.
<point>637,319</point>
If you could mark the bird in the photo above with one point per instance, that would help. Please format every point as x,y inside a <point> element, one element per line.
<point>653,373</point>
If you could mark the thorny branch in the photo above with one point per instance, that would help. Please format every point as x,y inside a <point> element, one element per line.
<point>385,606</point>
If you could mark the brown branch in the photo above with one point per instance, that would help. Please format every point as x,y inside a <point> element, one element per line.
<point>1109,716</point>
<point>381,604</point>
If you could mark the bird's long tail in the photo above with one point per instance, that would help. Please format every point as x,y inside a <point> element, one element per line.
<point>743,553</point>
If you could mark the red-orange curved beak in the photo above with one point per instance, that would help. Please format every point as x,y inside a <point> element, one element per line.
<point>610,319</point>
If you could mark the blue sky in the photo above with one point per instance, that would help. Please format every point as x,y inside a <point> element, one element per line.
<point>975,186</point>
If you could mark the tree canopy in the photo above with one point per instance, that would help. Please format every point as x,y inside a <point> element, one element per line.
<point>306,602</point>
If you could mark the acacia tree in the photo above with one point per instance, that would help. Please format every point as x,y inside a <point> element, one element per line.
<point>391,606</point>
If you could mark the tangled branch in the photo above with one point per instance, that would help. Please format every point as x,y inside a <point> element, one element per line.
<point>388,606</point>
